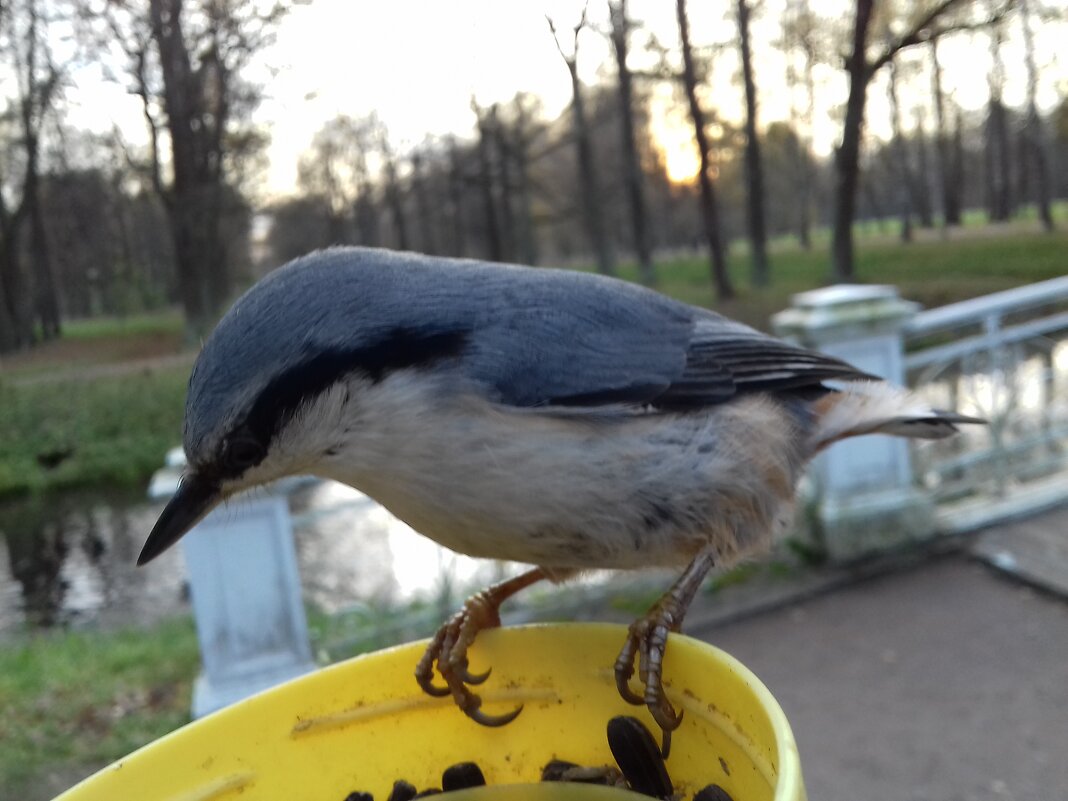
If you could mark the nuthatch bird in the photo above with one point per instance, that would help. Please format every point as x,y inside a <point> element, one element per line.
<point>561,419</point>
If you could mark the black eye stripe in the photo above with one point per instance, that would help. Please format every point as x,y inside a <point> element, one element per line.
<point>282,396</point>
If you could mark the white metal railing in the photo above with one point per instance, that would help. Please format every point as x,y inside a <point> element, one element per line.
<point>1003,357</point>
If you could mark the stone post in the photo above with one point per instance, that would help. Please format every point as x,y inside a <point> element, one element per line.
<point>246,595</point>
<point>863,498</point>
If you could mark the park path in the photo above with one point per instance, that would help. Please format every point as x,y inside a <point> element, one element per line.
<point>947,681</point>
<point>93,371</point>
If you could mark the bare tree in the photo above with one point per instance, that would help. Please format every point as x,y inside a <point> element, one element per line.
<point>38,81</point>
<point>393,191</point>
<point>632,169</point>
<point>457,186</point>
<point>709,208</point>
<point>754,170</point>
<point>947,158</point>
<point>186,60</point>
<point>799,33</point>
<point>485,183</point>
<point>324,172</point>
<point>299,225</point>
<point>29,300</point>
<point>502,148</point>
<point>525,132</point>
<point>423,205</point>
<point>1035,135</point>
<point>920,178</point>
<point>593,211</point>
<point>998,157</point>
<point>861,68</point>
<point>900,155</point>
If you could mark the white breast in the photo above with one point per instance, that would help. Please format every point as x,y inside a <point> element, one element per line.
<point>560,489</point>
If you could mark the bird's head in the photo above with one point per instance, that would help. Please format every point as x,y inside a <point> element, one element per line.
<point>275,391</point>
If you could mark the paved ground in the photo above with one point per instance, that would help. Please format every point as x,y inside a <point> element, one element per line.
<point>942,682</point>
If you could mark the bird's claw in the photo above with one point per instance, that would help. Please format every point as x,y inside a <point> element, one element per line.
<point>647,640</point>
<point>448,653</point>
<point>474,678</point>
<point>479,716</point>
<point>624,670</point>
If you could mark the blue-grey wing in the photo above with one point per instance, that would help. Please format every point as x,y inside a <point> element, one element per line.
<point>572,341</point>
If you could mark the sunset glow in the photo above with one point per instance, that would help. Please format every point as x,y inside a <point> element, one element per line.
<point>672,134</point>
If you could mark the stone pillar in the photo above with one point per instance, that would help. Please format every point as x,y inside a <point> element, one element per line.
<point>863,498</point>
<point>246,595</point>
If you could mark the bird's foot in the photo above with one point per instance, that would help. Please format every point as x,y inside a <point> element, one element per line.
<point>647,640</point>
<point>448,650</point>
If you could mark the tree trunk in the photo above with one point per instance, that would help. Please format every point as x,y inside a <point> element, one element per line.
<point>18,328</point>
<point>593,211</point>
<point>485,183</point>
<point>956,168</point>
<point>709,210</point>
<point>999,162</point>
<point>847,157</point>
<point>34,102</point>
<point>365,214</point>
<point>197,253</point>
<point>8,340</point>
<point>504,185</point>
<point>46,299</point>
<point>528,244</point>
<point>803,174</point>
<point>428,242</point>
<point>194,201</point>
<point>998,158</point>
<point>754,171</point>
<point>10,334</point>
<point>1036,139</point>
<point>947,174</point>
<point>632,171</point>
<point>396,201</point>
<point>921,186</point>
<point>901,159</point>
<point>456,200</point>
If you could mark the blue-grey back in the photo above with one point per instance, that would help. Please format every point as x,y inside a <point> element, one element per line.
<point>530,333</point>
<point>527,336</point>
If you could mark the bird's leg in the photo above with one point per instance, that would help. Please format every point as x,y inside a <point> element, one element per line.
<point>449,647</point>
<point>648,638</point>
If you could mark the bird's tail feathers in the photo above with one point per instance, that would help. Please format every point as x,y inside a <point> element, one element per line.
<point>876,407</point>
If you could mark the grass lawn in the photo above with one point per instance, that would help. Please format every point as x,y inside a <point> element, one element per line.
<point>75,701</point>
<point>108,430</point>
<point>932,271</point>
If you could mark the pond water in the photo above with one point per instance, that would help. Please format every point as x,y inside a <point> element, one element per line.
<point>69,559</point>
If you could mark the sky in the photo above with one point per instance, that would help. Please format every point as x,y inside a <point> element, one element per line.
<point>419,62</point>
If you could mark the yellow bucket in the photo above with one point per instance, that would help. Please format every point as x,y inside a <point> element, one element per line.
<point>361,724</point>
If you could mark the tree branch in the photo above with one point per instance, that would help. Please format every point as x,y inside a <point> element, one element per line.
<point>153,126</point>
<point>924,30</point>
<point>573,58</point>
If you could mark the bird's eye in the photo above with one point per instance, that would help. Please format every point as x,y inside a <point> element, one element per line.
<point>242,452</point>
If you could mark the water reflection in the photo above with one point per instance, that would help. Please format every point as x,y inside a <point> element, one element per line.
<point>70,559</point>
<point>351,550</point>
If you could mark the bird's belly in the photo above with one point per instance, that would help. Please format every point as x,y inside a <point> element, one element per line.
<point>640,491</point>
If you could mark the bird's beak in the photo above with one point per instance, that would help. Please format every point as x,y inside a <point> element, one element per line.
<point>196,496</point>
